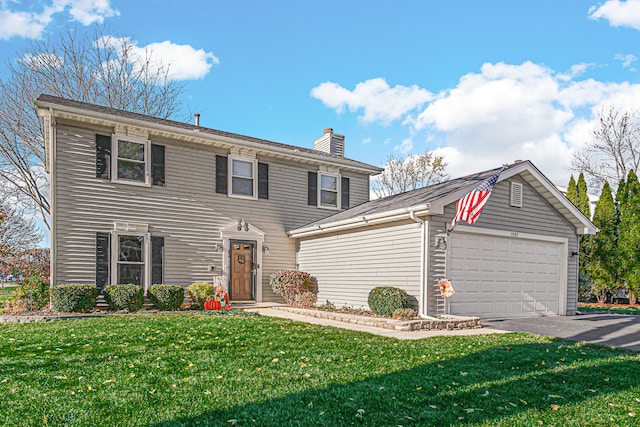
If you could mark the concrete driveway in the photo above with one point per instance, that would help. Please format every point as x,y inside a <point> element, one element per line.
<point>605,329</point>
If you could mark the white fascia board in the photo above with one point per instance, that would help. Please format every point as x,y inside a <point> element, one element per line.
<point>360,221</point>
<point>215,140</point>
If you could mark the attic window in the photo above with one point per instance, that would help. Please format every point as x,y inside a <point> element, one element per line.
<point>515,198</point>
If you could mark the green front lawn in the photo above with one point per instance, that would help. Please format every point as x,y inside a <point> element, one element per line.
<point>172,370</point>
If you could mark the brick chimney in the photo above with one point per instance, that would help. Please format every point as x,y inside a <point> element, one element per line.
<point>330,142</point>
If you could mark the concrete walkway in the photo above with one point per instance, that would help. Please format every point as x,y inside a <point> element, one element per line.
<point>414,335</point>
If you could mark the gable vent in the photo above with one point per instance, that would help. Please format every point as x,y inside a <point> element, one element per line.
<point>516,195</point>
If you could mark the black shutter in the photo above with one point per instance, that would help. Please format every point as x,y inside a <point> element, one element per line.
<point>344,197</point>
<point>312,187</point>
<point>221,174</point>
<point>103,156</point>
<point>157,164</point>
<point>263,181</point>
<point>157,255</point>
<point>102,260</point>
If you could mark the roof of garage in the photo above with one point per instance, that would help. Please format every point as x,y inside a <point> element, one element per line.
<point>431,200</point>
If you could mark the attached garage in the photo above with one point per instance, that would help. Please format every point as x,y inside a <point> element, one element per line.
<point>504,276</point>
<point>518,259</point>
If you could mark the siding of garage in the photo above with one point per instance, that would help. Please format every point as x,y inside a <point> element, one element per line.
<point>536,216</point>
<point>349,264</point>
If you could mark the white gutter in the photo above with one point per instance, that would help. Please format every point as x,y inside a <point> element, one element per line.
<point>424,253</point>
<point>360,221</point>
<point>212,138</point>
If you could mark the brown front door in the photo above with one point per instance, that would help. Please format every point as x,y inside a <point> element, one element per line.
<point>242,271</point>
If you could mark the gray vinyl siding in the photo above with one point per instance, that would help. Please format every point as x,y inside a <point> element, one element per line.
<point>186,211</point>
<point>536,216</point>
<point>349,264</point>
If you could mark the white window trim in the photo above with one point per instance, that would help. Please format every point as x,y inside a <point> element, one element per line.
<point>115,252</point>
<point>114,159</point>
<point>254,173</point>
<point>338,190</point>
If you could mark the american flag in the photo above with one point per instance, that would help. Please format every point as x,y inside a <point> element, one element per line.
<point>470,206</point>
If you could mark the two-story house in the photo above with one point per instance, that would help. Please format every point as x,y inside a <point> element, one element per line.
<point>137,199</point>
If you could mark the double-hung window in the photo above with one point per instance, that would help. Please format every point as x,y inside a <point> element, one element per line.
<point>243,182</point>
<point>131,161</point>
<point>329,190</point>
<point>131,259</point>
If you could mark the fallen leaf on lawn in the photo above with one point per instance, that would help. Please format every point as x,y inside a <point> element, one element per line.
<point>219,377</point>
<point>469,411</point>
<point>110,380</point>
<point>555,407</point>
<point>418,388</point>
<point>440,366</point>
<point>523,401</point>
<point>594,391</point>
<point>60,377</point>
<point>555,396</point>
<point>275,360</point>
<point>512,404</point>
<point>310,404</point>
<point>485,394</point>
<point>232,421</point>
<point>464,374</point>
<point>632,414</point>
<point>433,406</point>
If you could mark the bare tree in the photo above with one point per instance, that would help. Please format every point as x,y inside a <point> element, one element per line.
<point>16,231</point>
<point>404,174</point>
<point>85,66</point>
<point>614,149</point>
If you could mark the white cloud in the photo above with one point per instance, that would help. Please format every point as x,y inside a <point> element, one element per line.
<point>184,61</point>
<point>506,112</point>
<point>618,13</point>
<point>43,60</point>
<point>32,25</point>
<point>405,146</point>
<point>379,101</point>
<point>627,60</point>
<point>366,141</point>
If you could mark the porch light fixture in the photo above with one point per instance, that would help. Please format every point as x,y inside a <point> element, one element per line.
<point>265,250</point>
<point>217,247</point>
<point>441,242</point>
<point>242,224</point>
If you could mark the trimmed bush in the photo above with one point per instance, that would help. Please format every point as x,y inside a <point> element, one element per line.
<point>404,313</point>
<point>199,291</point>
<point>166,296</point>
<point>73,298</point>
<point>290,284</point>
<point>124,297</point>
<point>384,300</point>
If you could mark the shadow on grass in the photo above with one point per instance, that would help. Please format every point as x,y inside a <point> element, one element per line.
<point>483,387</point>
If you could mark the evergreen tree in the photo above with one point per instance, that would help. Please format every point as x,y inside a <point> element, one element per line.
<point>583,197</point>
<point>600,265</point>
<point>572,191</point>
<point>629,240</point>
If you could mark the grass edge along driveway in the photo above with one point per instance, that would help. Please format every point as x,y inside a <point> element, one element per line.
<point>171,370</point>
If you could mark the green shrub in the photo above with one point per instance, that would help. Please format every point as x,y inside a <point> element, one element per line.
<point>165,296</point>
<point>199,291</point>
<point>73,298</point>
<point>404,313</point>
<point>384,300</point>
<point>32,294</point>
<point>290,284</point>
<point>124,297</point>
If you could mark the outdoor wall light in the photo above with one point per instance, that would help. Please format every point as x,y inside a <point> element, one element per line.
<point>265,250</point>
<point>574,253</point>
<point>217,247</point>
<point>441,242</point>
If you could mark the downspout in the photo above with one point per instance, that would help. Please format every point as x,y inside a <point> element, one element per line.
<point>422,306</point>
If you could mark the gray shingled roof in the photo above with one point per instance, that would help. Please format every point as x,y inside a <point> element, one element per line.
<point>410,198</point>
<point>50,99</point>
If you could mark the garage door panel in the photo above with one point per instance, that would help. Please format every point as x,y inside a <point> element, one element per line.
<point>502,276</point>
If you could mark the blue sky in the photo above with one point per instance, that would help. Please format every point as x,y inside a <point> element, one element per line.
<point>482,82</point>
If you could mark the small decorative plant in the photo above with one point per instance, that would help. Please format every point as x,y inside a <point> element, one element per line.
<point>200,291</point>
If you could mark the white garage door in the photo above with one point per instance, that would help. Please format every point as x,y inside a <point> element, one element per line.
<point>503,276</point>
